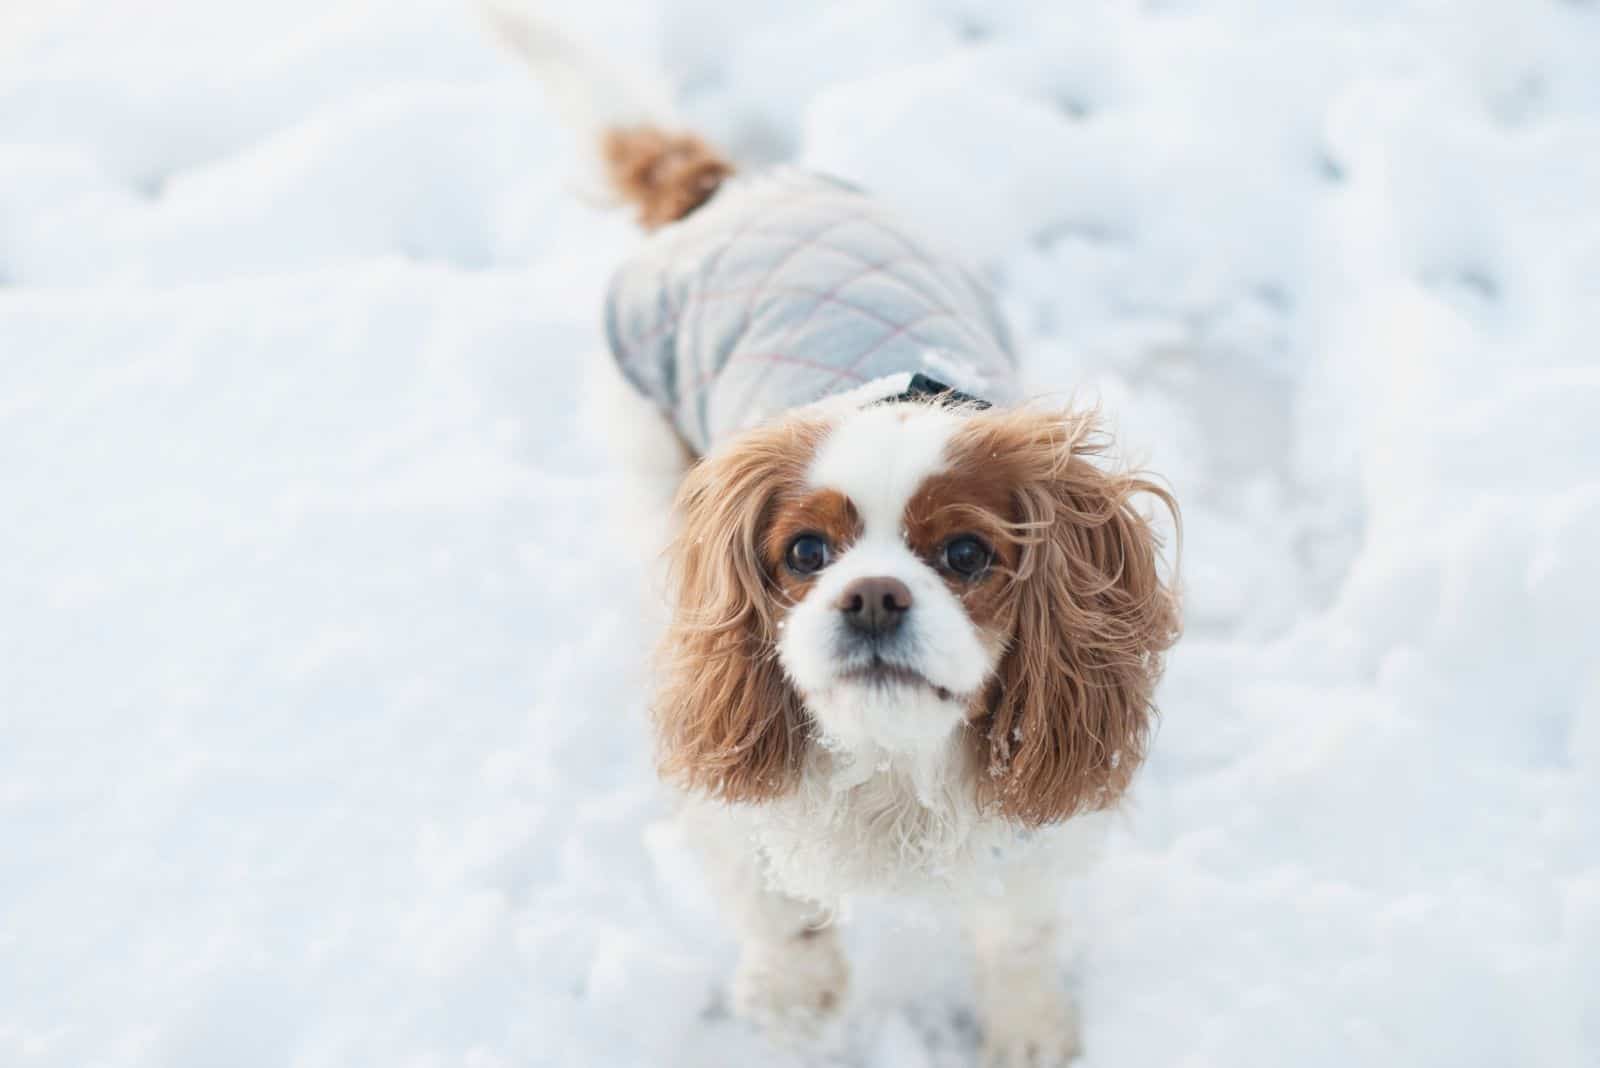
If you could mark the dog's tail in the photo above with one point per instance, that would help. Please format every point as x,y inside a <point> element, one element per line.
<point>664,173</point>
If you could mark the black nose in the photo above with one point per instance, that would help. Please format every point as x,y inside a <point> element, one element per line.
<point>875,606</point>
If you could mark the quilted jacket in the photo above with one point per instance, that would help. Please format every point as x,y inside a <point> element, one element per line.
<point>787,287</point>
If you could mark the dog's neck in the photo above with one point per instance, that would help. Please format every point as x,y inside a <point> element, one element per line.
<point>928,774</point>
<point>866,818</point>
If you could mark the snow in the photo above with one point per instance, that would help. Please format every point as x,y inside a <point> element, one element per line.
<point>322,703</point>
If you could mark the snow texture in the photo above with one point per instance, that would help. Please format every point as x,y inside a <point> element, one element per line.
<point>322,727</point>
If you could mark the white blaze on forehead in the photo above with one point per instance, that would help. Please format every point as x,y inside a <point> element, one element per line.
<point>879,456</point>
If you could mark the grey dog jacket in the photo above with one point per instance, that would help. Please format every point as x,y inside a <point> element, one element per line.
<point>788,287</point>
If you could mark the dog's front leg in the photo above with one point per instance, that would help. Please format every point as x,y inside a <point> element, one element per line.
<point>1029,1019</point>
<point>792,973</point>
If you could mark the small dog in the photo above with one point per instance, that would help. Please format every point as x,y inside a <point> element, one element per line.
<point>916,623</point>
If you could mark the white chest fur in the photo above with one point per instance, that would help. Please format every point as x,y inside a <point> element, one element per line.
<point>877,822</point>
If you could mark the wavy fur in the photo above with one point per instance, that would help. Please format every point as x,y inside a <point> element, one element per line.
<point>1066,722</point>
<point>728,722</point>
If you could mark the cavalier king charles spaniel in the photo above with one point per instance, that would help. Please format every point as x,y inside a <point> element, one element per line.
<point>916,622</point>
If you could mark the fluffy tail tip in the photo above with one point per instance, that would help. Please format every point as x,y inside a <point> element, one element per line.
<point>664,175</point>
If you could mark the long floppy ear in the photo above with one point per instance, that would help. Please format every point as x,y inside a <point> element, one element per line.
<point>728,722</point>
<point>1070,711</point>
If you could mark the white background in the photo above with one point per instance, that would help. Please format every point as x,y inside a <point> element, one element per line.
<point>322,667</point>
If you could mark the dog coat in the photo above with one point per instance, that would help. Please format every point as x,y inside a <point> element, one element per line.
<point>788,287</point>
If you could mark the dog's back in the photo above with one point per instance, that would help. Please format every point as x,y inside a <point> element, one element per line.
<point>789,287</point>
<point>758,292</point>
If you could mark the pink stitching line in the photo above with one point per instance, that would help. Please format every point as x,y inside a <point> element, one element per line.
<point>691,246</point>
<point>940,308</point>
<point>853,368</point>
<point>897,327</point>
<point>964,320</point>
<point>867,312</point>
<point>851,371</point>
<point>915,254</point>
<point>662,329</point>
<point>744,227</point>
<point>798,361</point>
<point>869,267</point>
<point>921,255</point>
<point>635,347</point>
<point>810,241</point>
<point>941,289</point>
<point>828,296</point>
<point>805,243</point>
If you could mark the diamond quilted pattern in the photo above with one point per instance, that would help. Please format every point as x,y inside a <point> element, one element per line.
<point>785,288</point>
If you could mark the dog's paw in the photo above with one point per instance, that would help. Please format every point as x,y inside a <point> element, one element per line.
<point>1039,1036</point>
<point>792,988</point>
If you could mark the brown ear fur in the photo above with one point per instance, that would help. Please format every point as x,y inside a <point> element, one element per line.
<point>727,720</point>
<point>1070,710</point>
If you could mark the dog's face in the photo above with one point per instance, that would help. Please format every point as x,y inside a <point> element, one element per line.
<point>879,580</point>
<point>890,576</point>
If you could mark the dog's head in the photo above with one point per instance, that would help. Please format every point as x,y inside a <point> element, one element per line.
<point>904,571</point>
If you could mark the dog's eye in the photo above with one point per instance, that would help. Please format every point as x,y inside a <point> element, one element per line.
<point>807,554</point>
<point>967,556</point>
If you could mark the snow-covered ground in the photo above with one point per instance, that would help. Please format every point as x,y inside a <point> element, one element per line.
<point>321,660</point>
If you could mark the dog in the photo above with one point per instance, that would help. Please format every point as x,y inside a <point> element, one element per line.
<point>916,623</point>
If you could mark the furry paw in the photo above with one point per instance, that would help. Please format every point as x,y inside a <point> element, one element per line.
<point>792,988</point>
<point>1046,1037</point>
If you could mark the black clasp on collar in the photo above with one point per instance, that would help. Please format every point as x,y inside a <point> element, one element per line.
<point>922,387</point>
